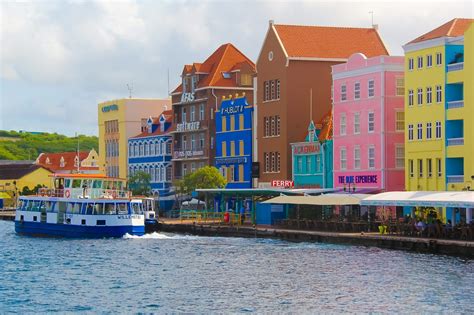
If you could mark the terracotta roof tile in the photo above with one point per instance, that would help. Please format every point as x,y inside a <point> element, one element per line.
<point>168,114</point>
<point>453,28</point>
<point>55,161</point>
<point>329,42</point>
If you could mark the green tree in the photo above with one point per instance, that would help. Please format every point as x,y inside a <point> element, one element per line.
<point>139,183</point>
<point>205,177</point>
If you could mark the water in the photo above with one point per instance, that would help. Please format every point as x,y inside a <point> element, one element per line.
<point>161,273</point>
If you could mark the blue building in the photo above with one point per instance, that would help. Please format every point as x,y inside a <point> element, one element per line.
<point>150,152</point>
<point>234,141</point>
<point>312,160</point>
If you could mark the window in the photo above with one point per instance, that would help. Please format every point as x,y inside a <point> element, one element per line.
<point>245,79</point>
<point>183,114</point>
<point>420,168</point>
<point>429,61</point>
<point>357,91</point>
<point>343,158</point>
<point>438,167</point>
<point>241,173</point>
<point>278,89</point>
<point>308,164</point>
<point>278,161</point>
<point>410,64</point>
<point>201,112</point>
<point>267,91</point>
<point>400,85</point>
<point>420,96</point>
<point>371,122</point>
<point>241,122</point>
<point>318,163</point>
<point>277,125</point>
<point>267,162</point>
<point>185,170</point>
<point>410,97</point>
<point>232,148</point>
<point>232,122</point>
<point>224,148</point>
<point>399,156</point>
<point>343,92</point>
<point>429,167</point>
<point>400,121</point>
<point>342,127</point>
<point>439,59</point>
<point>357,157</point>
<point>420,62</point>
<point>193,142</point>
<point>272,162</point>
<point>429,97</point>
<point>266,122</point>
<point>371,157</point>
<point>193,113</point>
<point>224,123</point>
<point>272,89</point>
<point>438,94</point>
<point>241,147</point>
<point>300,165</point>
<point>272,126</point>
<point>438,130</point>
<point>356,123</point>
<point>428,130</point>
<point>411,168</point>
<point>420,132</point>
<point>371,88</point>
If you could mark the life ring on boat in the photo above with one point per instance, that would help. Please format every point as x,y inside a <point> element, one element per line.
<point>67,194</point>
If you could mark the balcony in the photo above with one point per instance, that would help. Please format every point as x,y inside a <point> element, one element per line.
<point>452,179</point>
<point>455,141</point>
<point>455,104</point>
<point>456,66</point>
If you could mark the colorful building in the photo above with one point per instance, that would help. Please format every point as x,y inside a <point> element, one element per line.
<point>15,176</point>
<point>227,71</point>
<point>369,123</point>
<point>439,110</point>
<point>294,62</point>
<point>118,121</point>
<point>86,162</point>
<point>313,158</point>
<point>234,141</point>
<point>150,152</point>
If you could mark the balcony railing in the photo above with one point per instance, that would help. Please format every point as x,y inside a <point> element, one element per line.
<point>456,66</point>
<point>455,141</point>
<point>455,179</point>
<point>455,104</point>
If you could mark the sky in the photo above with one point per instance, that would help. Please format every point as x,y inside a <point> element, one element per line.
<point>59,59</point>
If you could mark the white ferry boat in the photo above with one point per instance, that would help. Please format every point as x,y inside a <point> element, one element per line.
<point>81,205</point>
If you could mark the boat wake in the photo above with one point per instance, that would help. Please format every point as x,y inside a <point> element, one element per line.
<point>160,236</point>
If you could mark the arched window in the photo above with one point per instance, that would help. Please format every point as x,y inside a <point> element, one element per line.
<point>147,149</point>
<point>152,148</point>
<point>141,149</point>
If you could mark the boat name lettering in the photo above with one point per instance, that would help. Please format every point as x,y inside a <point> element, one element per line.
<point>128,216</point>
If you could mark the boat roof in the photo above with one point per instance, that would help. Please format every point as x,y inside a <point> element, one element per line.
<point>98,176</point>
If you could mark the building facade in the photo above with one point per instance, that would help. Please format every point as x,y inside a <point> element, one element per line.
<point>118,121</point>
<point>313,158</point>
<point>294,71</point>
<point>86,162</point>
<point>439,113</point>
<point>150,152</point>
<point>234,141</point>
<point>226,72</point>
<point>15,176</point>
<point>369,123</point>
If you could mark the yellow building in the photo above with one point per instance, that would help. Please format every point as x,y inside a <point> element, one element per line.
<point>119,120</point>
<point>439,113</point>
<point>15,176</point>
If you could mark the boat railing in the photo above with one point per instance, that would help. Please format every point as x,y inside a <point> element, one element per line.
<point>88,193</point>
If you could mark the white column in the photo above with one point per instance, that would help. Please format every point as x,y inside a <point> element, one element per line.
<point>468,215</point>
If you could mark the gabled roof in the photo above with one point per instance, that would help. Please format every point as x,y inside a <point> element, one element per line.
<point>453,28</point>
<point>17,171</point>
<point>329,42</point>
<point>69,163</point>
<point>168,115</point>
<point>224,59</point>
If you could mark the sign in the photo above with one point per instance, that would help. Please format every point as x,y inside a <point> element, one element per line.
<point>283,183</point>
<point>187,97</point>
<point>109,108</point>
<point>185,126</point>
<point>307,148</point>
<point>358,179</point>
<point>255,169</point>
<point>231,160</point>
<point>185,154</point>
<point>230,110</point>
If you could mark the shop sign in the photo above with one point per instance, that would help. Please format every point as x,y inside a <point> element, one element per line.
<point>307,148</point>
<point>188,126</point>
<point>283,183</point>
<point>357,179</point>
<point>230,110</point>
<point>231,160</point>
<point>187,97</point>
<point>109,108</point>
<point>186,154</point>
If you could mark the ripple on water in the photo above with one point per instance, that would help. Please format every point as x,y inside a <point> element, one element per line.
<point>170,273</point>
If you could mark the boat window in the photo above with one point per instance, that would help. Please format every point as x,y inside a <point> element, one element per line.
<point>35,205</point>
<point>61,206</point>
<point>89,208</point>
<point>47,205</point>
<point>76,183</point>
<point>42,207</point>
<point>67,183</point>
<point>137,208</point>
<point>97,184</point>
<point>122,208</point>
<point>52,207</point>
<point>119,185</point>
<point>74,207</point>
<point>107,185</point>
<point>110,208</point>
<point>87,183</point>
<point>99,208</point>
<point>21,204</point>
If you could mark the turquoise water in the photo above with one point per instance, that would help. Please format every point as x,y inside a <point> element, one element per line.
<point>172,274</point>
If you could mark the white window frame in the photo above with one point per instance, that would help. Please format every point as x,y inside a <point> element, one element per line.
<point>399,156</point>
<point>356,123</point>
<point>429,61</point>
<point>410,132</point>
<point>357,157</point>
<point>342,124</point>
<point>371,122</point>
<point>429,95</point>
<point>343,93</point>
<point>420,96</point>
<point>438,130</point>
<point>343,158</point>
<point>357,90</point>
<point>419,62</point>
<point>411,97</point>
<point>429,132</point>
<point>419,131</point>
<point>371,157</point>
<point>439,94</point>
<point>397,121</point>
<point>371,89</point>
<point>439,59</point>
<point>411,64</point>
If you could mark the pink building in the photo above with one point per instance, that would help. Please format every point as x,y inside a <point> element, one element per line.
<point>368,123</point>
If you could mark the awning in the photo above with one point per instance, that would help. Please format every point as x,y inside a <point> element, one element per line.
<point>322,200</point>
<point>461,199</point>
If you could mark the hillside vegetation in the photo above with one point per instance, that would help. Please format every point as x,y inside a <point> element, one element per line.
<point>27,146</point>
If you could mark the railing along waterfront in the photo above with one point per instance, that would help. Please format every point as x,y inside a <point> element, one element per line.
<point>455,141</point>
<point>456,104</point>
<point>456,66</point>
<point>203,216</point>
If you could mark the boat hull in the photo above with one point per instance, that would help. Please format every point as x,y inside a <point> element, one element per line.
<point>76,231</point>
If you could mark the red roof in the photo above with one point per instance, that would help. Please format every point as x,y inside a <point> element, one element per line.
<point>168,114</point>
<point>68,157</point>
<point>453,28</point>
<point>224,59</point>
<point>329,42</point>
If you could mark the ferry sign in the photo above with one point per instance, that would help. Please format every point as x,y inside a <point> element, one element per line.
<point>283,183</point>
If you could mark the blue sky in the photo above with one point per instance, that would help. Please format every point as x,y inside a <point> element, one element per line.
<point>59,59</point>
